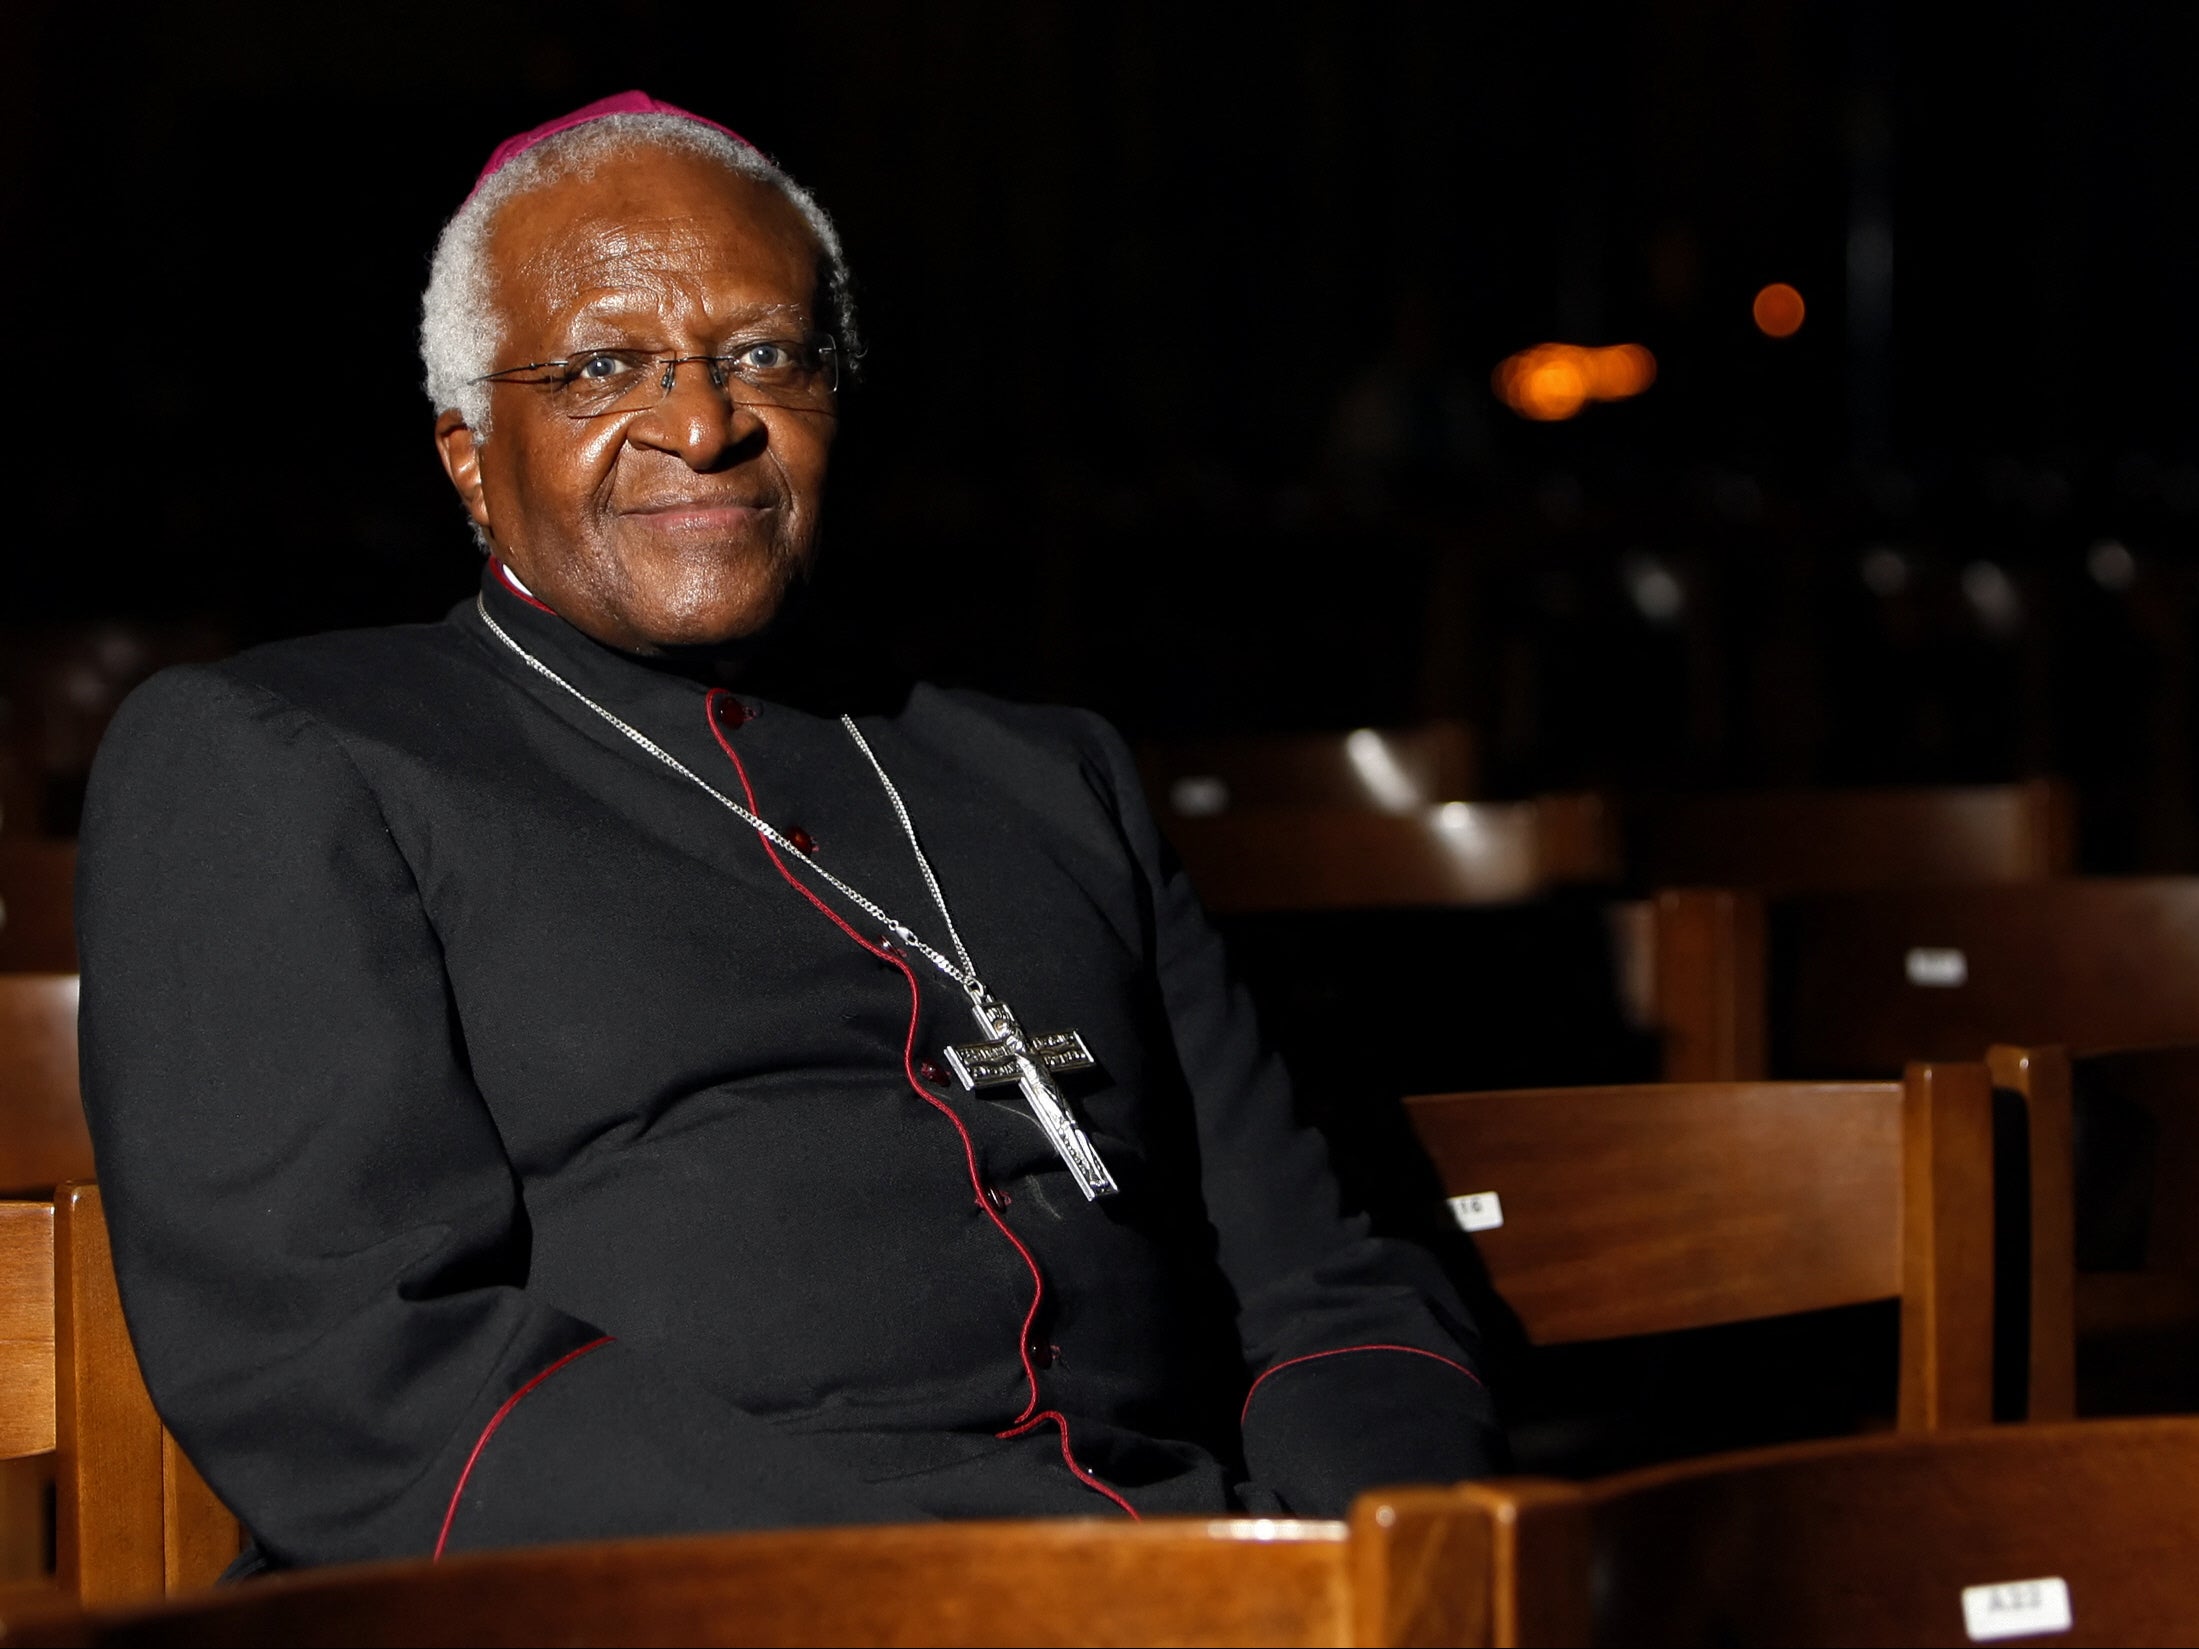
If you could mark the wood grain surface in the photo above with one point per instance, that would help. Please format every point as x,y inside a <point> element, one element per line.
<point>1164,1581</point>
<point>26,1329</point>
<point>1872,1541</point>
<point>43,1140</point>
<point>110,1544</point>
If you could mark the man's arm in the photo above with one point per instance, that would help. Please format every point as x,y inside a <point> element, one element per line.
<point>1358,1351</point>
<point>318,1235</point>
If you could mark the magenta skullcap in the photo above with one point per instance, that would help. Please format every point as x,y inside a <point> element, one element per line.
<point>621,103</point>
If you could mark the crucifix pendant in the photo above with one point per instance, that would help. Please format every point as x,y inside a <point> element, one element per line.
<point>1006,1056</point>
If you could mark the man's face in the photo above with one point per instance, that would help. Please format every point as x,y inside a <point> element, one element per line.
<point>682,521</point>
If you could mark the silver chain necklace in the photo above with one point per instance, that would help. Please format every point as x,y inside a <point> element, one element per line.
<point>1006,1055</point>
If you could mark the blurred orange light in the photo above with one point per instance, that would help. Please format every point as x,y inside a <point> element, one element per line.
<point>1620,371</point>
<point>1778,310</point>
<point>1552,382</point>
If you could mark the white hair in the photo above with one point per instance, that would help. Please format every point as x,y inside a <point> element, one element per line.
<point>460,327</point>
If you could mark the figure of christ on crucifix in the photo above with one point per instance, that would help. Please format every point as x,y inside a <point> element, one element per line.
<point>1029,1062</point>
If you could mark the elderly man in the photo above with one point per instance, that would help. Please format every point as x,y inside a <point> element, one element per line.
<point>546,1091</point>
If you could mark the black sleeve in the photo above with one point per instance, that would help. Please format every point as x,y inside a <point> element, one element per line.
<point>315,1223</point>
<point>1358,1350</point>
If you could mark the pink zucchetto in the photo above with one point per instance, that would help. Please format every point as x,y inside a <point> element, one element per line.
<point>621,103</point>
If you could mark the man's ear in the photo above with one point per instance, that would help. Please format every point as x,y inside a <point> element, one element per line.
<point>460,450</point>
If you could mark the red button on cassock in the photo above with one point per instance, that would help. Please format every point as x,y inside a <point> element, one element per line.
<point>802,839</point>
<point>931,1073</point>
<point>730,711</point>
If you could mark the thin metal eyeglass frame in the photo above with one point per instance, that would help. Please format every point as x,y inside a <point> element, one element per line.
<point>823,344</point>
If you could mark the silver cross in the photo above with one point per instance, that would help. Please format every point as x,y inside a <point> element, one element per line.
<point>1029,1062</point>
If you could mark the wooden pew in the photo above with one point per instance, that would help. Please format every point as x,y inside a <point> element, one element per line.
<point>135,1521</point>
<point>1056,1581</point>
<point>1829,840</point>
<point>1390,770</point>
<point>37,906</point>
<point>1641,1210</point>
<point>1946,1539</point>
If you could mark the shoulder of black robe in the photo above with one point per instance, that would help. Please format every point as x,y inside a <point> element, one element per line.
<point>323,1229</point>
<point>315,1224</point>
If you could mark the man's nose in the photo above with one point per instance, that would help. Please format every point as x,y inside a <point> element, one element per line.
<point>697,420</point>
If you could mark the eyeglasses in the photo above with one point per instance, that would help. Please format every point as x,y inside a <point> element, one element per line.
<point>800,374</point>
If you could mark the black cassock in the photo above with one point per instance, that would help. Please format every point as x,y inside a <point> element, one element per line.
<point>498,1149</point>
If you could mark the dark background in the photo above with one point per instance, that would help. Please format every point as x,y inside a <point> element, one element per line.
<point>1181,324</point>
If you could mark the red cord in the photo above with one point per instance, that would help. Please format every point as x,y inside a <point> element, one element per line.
<point>1340,1351</point>
<point>450,1512</point>
<point>1061,1422</point>
<point>1031,1415</point>
<point>908,1058</point>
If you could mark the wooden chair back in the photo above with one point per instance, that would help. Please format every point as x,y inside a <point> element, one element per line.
<point>1952,1539</point>
<point>1060,1581</point>
<point>1459,853</point>
<point>1860,982</point>
<point>37,905</point>
<point>43,1141</point>
<point>1388,770</point>
<point>1689,964</point>
<point>1638,1210</point>
<point>1826,840</point>
<point>135,1521</point>
<point>2124,1226</point>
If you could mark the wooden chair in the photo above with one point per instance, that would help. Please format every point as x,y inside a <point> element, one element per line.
<point>135,1521</point>
<point>1860,982</point>
<point>1855,984</point>
<point>37,906</point>
<point>2126,1229</point>
<point>1459,853</point>
<point>1948,1539</point>
<point>1640,1210</point>
<point>43,1141</point>
<point>1390,770</point>
<point>1058,1581</point>
<point>1690,967</point>
<point>1826,840</point>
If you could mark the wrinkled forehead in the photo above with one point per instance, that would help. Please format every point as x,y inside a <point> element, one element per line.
<point>649,230</point>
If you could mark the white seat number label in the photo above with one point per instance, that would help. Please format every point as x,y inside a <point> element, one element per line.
<point>1477,1211</point>
<point>2015,1609</point>
<point>1936,965</point>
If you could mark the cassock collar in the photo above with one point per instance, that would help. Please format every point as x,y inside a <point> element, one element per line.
<point>620,681</point>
